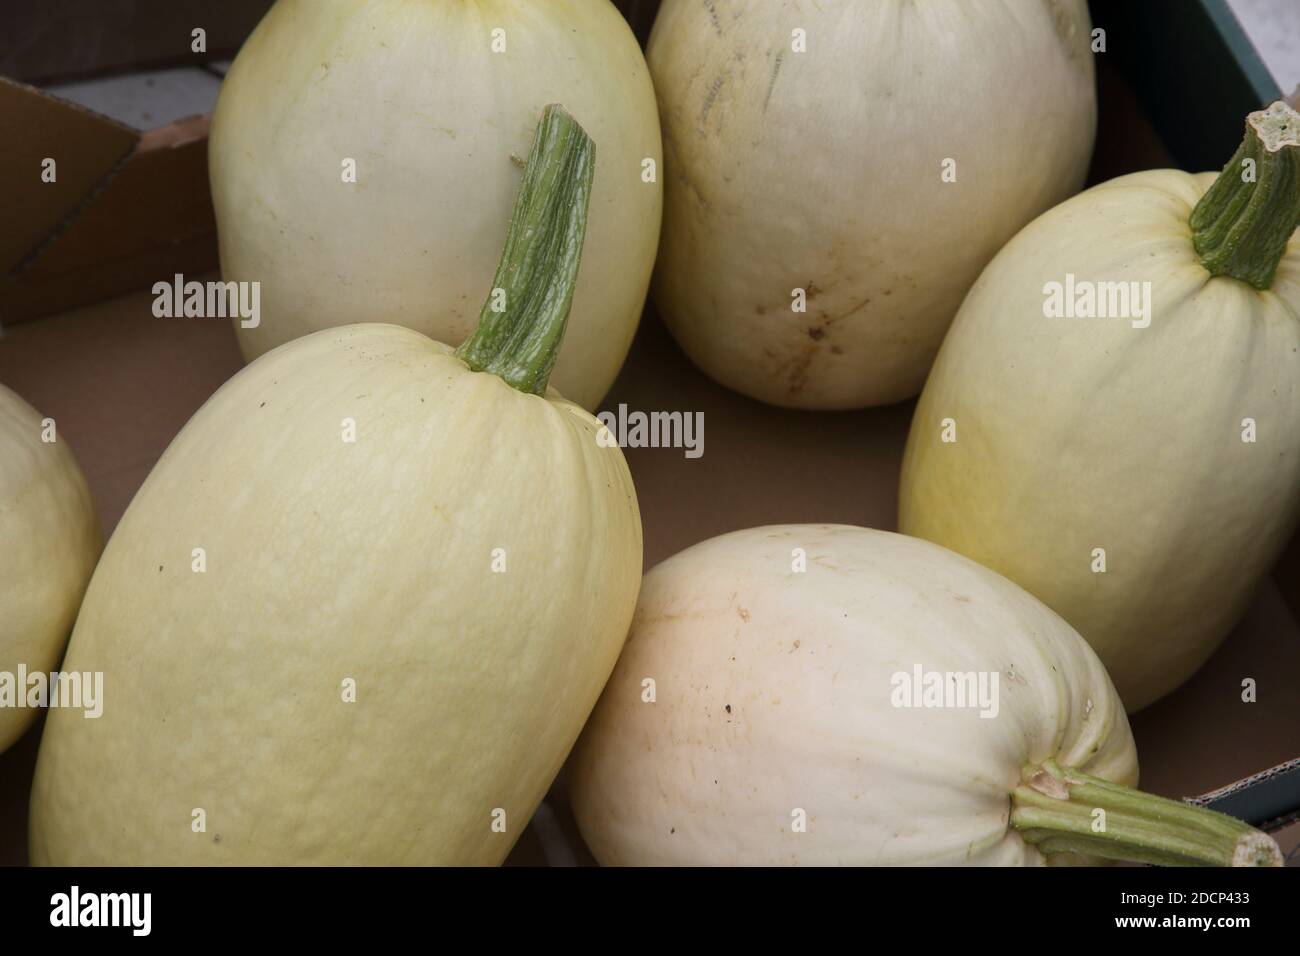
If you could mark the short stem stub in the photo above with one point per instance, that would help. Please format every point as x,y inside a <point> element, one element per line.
<point>1241,226</point>
<point>522,323</point>
<point>1055,808</point>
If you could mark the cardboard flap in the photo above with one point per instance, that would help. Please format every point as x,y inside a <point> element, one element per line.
<point>152,194</point>
<point>86,149</point>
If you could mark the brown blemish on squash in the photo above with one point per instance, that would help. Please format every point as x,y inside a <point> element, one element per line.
<point>744,615</point>
<point>816,333</point>
<point>798,369</point>
<point>713,16</point>
<point>711,96</point>
<point>672,159</point>
<point>771,84</point>
<point>1066,27</point>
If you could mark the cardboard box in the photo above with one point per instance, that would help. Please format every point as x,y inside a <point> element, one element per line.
<point>122,383</point>
<point>96,205</point>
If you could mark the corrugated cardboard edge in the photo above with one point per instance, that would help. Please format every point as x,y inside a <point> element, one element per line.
<point>1257,798</point>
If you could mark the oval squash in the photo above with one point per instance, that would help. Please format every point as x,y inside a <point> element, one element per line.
<point>49,540</point>
<point>1138,473</point>
<point>435,101</point>
<point>764,712</point>
<point>361,607</point>
<point>838,173</point>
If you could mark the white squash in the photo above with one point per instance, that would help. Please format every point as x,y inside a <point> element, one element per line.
<point>755,718</point>
<point>436,102</point>
<point>1138,474</point>
<point>362,606</point>
<point>812,146</point>
<point>49,540</point>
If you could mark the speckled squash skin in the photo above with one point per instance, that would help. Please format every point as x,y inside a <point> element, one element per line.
<point>1079,434</point>
<point>439,125</point>
<point>327,561</point>
<point>822,170</point>
<point>49,540</point>
<point>773,693</point>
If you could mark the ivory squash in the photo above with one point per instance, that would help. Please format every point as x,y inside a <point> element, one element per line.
<point>435,101</point>
<point>761,714</point>
<point>418,568</point>
<point>1134,463</point>
<point>813,147</point>
<point>49,540</point>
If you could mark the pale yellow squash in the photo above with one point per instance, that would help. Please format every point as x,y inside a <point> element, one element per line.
<point>363,604</point>
<point>435,102</point>
<point>874,156</point>
<point>1138,478</point>
<point>757,717</point>
<point>49,540</point>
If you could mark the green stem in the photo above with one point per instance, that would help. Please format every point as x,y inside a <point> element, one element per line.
<point>521,325</point>
<point>1241,226</point>
<point>1054,808</point>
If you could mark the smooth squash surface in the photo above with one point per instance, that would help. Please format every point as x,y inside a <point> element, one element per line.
<point>435,101</point>
<point>414,579</point>
<point>755,718</point>
<point>1139,479</point>
<point>873,155</point>
<point>49,540</point>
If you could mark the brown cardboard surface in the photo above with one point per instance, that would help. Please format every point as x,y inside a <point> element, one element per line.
<point>114,220</point>
<point>126,206</point>
<point>86,147</point>
<point>122,383</point>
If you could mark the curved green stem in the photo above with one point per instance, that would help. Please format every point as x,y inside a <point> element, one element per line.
<point>1241,226</point>
<point>1055,809</point>
<point>521,325</point>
